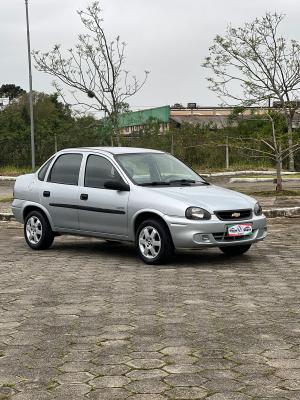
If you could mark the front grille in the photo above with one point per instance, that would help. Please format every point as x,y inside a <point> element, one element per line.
<point>234,215</point>
<point>221,237</point>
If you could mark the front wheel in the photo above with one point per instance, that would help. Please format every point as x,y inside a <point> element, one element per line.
<point>153,242</point>
<point>37,231</point>
<point>235,250</point>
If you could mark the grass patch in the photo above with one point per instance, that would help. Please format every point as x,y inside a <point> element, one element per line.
<point>52,384</point>
<point>6,199</point>
<point>11,170</point>
<point>8,385</point>
<point>272,193</point>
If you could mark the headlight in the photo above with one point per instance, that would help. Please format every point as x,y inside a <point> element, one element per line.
<point>197,213</point>
<point>257,209</point>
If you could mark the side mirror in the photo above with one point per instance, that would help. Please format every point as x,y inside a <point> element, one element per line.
<point>117,185</point>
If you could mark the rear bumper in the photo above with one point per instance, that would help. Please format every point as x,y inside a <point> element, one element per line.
<point>17,209</point>
<point>188,234</point>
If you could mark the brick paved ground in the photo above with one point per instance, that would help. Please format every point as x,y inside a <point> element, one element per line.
<point>88,320</point>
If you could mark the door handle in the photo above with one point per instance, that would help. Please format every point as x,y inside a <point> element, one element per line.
<point>84,196</point>
<point>46,193</point>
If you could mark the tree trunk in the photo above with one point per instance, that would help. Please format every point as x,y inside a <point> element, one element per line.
<point>227,153</point>
<point>290,140</point>
<point>118,137</point>
<point>278,174</point>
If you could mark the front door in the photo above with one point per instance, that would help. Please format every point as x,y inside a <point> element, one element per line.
<point>101,210</point>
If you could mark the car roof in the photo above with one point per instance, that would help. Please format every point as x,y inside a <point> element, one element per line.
<point>115,150</point>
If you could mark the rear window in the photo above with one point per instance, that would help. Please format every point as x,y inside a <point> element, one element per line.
<point>66,169</point>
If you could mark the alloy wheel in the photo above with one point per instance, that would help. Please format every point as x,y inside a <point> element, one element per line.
<point>149,242</point>
<point>34,230</point>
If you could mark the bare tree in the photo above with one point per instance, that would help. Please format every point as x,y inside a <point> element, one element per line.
<point>94,67</point>
<point>274,146</point>
<point>254,64</point>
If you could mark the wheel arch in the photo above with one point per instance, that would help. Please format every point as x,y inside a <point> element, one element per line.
<point>37,207</point>
<point>148,214</point>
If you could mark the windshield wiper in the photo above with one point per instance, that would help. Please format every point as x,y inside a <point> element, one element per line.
<point>158,183</point>
<point>189,181</point>
<point>183,181</point>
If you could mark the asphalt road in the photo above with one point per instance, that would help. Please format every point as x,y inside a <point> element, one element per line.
<point>88,320</point>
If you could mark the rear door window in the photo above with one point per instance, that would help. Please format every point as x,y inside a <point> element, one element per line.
<point>66,169</point>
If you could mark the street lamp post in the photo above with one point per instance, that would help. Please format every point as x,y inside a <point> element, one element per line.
<point>30,90</point>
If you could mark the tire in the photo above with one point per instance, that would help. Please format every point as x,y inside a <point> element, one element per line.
<point>153,242</point>
<point>37,231</point>
<point>235,250</point>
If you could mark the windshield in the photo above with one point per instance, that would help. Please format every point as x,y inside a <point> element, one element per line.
<point>157,169</point>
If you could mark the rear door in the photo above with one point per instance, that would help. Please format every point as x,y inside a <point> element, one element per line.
<point>59,193</point>
<point>102,210</point>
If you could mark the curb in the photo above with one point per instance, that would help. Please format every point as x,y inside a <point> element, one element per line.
<point>7,217</point>
<point>8,178</point>
<point>269,213</point>
<point>247,172</point>
<point>282,212</point>
<point>244,180</point>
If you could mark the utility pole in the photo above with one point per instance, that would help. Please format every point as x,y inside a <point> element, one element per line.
<point>30,91</point>
<point>227,152</point>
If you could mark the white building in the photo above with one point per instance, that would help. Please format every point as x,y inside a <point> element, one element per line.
<point>4,101</point>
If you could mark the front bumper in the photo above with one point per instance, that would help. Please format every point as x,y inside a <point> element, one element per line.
<point>190,234</point>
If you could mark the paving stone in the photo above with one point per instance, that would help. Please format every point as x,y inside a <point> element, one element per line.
<point>229,396</point>
<point>76,366</point>
<point>177,350</point>
<point>181,369</point>
<point>147,397</point>
<point>70,391</point>
<point>108,394</point>
<point>109,382</point>
<point>138,374</point>
<point>189,393</point>
<point>75,377</point>
<point>224,385</point>
<point>119,369</point>
<point>34,394</point>
<point>285,363</point>
<point>151,385</point>
<point>204,326</point>
<point>185,380</point>
<point>148,363</point>
<point>291,384</point>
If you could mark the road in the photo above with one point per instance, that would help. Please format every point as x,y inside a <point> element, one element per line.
<point>88,320</point>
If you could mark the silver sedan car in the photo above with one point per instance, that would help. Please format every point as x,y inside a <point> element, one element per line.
<point>142,196</point>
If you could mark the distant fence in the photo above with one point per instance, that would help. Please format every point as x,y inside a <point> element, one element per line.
<point>205,151</point>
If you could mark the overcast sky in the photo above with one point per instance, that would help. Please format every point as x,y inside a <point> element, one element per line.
<point>168,37</point>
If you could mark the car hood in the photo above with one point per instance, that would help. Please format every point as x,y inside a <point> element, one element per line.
<point>210,197</point>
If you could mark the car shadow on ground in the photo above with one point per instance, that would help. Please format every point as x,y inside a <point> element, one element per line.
<point>123,253</point>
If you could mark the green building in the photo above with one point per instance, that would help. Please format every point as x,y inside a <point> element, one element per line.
<point>134,121</point>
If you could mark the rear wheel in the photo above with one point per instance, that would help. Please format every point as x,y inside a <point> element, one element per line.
<point>153,242</point>
<point>235,250</point>
<point>37,231</point>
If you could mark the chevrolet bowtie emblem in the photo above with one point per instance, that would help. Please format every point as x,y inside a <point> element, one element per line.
<point>236,215</point>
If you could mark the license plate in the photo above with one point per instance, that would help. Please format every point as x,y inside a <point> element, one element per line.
<point>239,229</point>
